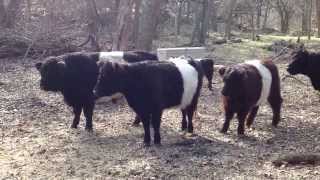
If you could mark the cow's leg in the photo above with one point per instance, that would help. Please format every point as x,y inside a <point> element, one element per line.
<point>88,113</point>
<point>242,114</point>
<point>146,126</point>
<point>252,116</point>
<point>156,121</point>
<point>275,104</point>
<point>184,124</point>
<point>209,83</point>
<point>77,112</point>
<point>228,116</point>
<point>190,111</point>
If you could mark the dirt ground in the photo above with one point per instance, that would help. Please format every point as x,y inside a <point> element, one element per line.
<point>37,143</point>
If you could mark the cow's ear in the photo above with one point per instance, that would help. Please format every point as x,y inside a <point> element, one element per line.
<point>38,66</point>
<point>222,70</point>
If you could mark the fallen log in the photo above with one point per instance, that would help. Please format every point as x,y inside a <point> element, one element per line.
<point>297,159</point>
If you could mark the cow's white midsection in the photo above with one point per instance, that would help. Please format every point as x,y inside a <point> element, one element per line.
<point>266,78</point>
<point>190,81</point>
<point>111,56</point>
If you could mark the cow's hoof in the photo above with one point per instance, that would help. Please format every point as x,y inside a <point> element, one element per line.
<point>89,129</point>
<point>136,124</point>
<point>73,126</point>
<point>223,131</point>
<point>146,144</point>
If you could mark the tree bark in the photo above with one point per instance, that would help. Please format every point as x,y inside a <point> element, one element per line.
<point>124,26</point>
<point>2,12</point>
<point>12,12</point>
<point>148,23</point>
<point>137,5</point>
<point>93,24</point>
<point>178,17</point>
<point>204,22</point>
<point>213,15</point>
<point>266,15</point>
<point>304,19</point>
<point>230,8</point>
<point>197,22</point>
<point>309,18</point>
<point>318,16</point>
<point>284,9</point>
<point>259,13</point>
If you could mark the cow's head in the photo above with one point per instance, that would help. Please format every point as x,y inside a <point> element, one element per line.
<point>233,77</point>
<point>207,66</point>
<point>52,73</point>
<point>299,61</point>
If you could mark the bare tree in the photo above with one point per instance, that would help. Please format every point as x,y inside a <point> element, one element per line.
<point>230,7</point>
<point>318,15</point>
<point>2,12</point>
<point>124,26</point>
<point>10,13</point>
<point>266,14</point>
<point>285,11</point>
<point>93,24</point>
<point>309,18</point>
<point>148,23</point>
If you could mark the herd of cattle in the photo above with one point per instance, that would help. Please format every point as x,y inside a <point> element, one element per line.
<point>150,86</point>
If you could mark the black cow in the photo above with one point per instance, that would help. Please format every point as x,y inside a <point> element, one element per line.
<point>306,63</point>
<point>75,75</point>
<point>151,87</point>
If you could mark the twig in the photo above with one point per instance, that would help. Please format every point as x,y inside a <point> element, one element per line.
<point>291,76</point>
<point>277,57</point>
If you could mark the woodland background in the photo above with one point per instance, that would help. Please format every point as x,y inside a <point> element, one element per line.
<point>52,27</point>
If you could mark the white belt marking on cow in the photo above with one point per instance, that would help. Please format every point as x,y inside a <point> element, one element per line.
<point>112,56</point>
<point>190,80</point>
<point>266,80</point>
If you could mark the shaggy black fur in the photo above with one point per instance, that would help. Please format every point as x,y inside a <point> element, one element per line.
<point>149,87</point>
<point>138,56</point>
<point>74,75</point>
<point>207,66</point>
<point>306,63</point>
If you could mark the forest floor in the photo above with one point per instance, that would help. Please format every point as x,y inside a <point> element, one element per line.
<point>37,143</point>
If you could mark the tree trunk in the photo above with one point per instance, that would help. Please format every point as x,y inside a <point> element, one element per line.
<point>213,15</point>
<point>259,12</point>
<point>253,31</point>
<point>148,23</point>
<point>304,19</point>
<point>12,12</point>
<point>266,15</point>
<point>204,22</point>
<point>309,18</point>
<point>197,23</point>
<point>2,12</point>
<point>178,18</point>
<point>124,26</point>
<point>93,24</point>
<point>136,23</point>
<point>231,6</point>
<point>284,9</point>
<point>318,16</point>
<point>29,4</point>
